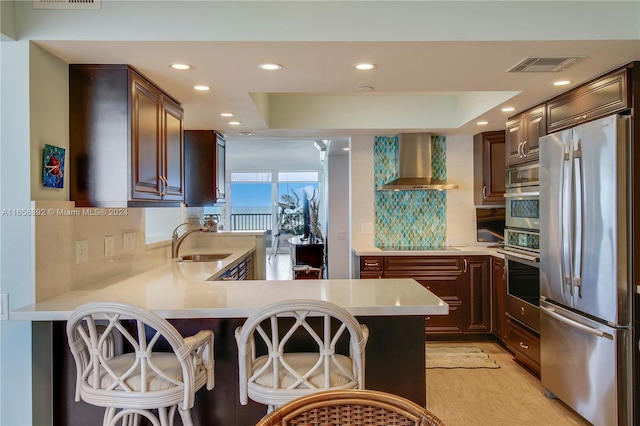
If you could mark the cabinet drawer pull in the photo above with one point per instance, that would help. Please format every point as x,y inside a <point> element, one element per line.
<point>428,318</point>
<point>371,264</point>
<point>484,192</point>
<point>523,346</point>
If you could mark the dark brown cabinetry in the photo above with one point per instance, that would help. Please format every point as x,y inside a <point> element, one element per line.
<point>243,270</point>
<point>498,291</point>
<point>125,139</point>
<point>524,342</point>
<point>221,168</point>
<point>489,168</point>
<point>477,295</point>
<point>202,170</point>
<point>598,98</point>
<point>462,282</point>
<point>522,134</point>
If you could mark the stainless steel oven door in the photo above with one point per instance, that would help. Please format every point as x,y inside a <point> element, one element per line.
<point>523,291</point>
<point>522,207</point>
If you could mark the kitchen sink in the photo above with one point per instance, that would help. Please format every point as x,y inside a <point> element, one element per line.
<point>208,257</point>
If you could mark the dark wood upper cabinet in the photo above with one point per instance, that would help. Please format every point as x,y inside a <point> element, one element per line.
<point>489,168</point>
<point>126,139</point>
<point>598,98</point>
<point>522,134</point>
<point>200,171</point>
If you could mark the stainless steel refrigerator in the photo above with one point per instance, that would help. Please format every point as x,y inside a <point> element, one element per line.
<point>585,307</point>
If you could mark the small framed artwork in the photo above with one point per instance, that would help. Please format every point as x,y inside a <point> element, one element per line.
<point>53,167</point>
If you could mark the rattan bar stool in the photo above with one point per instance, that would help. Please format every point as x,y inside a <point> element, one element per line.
<point>273,371</point>
<point>136,365</point>
<point>351,408</point>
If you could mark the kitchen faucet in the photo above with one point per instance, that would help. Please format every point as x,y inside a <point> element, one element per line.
<point>209,226</point>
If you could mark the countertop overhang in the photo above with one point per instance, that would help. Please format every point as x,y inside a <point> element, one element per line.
<point>176,290</point>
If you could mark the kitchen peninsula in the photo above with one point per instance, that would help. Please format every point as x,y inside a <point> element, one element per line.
<point>393,309</point>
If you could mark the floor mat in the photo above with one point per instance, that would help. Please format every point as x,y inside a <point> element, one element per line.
<point>458,357</point>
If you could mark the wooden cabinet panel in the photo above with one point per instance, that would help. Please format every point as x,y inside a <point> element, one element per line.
<point>447,287</point>
<point>146,139</point>
<point>221,168</point>
<point>173,158</point>
<point>489,168</point>
<point>431,264</point>
<point>524,343</point>
<point>126,142</point>
<point>445,324</point>
<point>599,98</point>
<point>200,153</point>
<point>522,135</point>
<point>371,267</point>
<point>477,295</point>
<point>498,291</point>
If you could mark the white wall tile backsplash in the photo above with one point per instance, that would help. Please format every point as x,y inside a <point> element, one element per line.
<point>61,225</point>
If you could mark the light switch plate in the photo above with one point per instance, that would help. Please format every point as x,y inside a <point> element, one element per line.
<point>366,228</point>
<point>128,241</point>
<point>109,249</point>
<point>82,251</point>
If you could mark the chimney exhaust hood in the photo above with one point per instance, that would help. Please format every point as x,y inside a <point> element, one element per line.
<point>414,155</point>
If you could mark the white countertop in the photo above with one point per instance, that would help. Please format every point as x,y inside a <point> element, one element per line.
<point>181,290</point>
<point>461,250</point>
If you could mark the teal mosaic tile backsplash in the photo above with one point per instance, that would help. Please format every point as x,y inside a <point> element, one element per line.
<point>409,219</point>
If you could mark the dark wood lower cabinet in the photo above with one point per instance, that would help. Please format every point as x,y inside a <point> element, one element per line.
<point>524,342</point>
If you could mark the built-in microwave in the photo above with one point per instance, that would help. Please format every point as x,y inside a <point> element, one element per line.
<point>522,198</point>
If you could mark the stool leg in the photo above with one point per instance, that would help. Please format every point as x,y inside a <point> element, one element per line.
<point>185,415</point>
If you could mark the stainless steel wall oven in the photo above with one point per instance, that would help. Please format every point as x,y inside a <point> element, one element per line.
<point>523,291</point>
<point>522,244</point>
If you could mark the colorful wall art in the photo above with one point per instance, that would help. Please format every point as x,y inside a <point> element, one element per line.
<point>53,167</point>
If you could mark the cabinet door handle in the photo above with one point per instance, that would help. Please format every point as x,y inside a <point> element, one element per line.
<point>165,185</point>
<point>484,192</point>
<point>524,143</point>
<point>464,262</point>
<point>523,346</point>
<point>520,149</point>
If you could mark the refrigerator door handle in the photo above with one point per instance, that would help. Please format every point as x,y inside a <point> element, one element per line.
<point>565,200</point>
<point>575,324</point>
<point>578,193</point>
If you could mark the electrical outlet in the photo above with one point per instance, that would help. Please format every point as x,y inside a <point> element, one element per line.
<point>82,251</point>
<point>128,241</point>
<point>4,306</point>
<point>108,246</point>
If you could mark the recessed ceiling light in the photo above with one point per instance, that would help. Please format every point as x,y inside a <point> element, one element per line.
<point>508,109</point>
<point>244,133</point>
<point>227,114</point>
<point>201,87</point>
<point>181,67</point>
<point>561,83</point>
<point>345,149</point>
<point>482,123</point>
<point>364,66</point>
<point>270,66</point>
<point>235,123</point>
<point>365,88</point>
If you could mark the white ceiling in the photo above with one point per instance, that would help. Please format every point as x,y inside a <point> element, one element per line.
<point>437,71</point>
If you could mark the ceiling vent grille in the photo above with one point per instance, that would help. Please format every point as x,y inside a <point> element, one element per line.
<point>545,64</point>
<point>66,4</point>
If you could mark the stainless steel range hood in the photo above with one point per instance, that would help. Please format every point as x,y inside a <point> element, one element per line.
<point>414,155</point>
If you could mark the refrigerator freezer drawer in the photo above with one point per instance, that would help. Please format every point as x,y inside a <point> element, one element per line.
<point>585,364</point>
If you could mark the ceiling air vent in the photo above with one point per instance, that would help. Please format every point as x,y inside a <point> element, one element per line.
<point>66,4</point>
<point>545,64</point>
